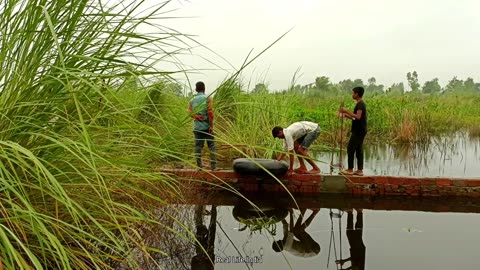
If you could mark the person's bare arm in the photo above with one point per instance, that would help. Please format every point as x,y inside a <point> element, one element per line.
<point>291,156</point>
<point>357,115</point>
<point>289,145</point>
<point>343,115</point>
<point>194,116</point>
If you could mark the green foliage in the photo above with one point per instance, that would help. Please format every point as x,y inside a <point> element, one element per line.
<point>226,97</point>
<point>255,225</point>
<point>454,84</point>
<point>372,87</point>
<point>245,121</point>
<point>323,84</point>
<point>431,87</point>
<point>387,116</point>
<point>73,175</point>
<point>79,124</point>
<point>396,89</point>
<point>260,88</point>
<point>413,81</point>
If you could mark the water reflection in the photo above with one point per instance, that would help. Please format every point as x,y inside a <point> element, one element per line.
<point>303,245</point>
<point>167,244</point>
<point>355,240</point>
<point>455,156</point>
<point>204,258</point>
<point>260,215</point>
<point>299,246</point>
<point>323,232</point>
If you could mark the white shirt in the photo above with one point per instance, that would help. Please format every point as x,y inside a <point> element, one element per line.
<point>296,131</point>
<point>296,248</point>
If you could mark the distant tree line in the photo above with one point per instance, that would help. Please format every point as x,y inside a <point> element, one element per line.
<point>323,85</point>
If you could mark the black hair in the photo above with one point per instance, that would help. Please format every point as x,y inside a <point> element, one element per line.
<point>277,246</point>
<point>276,130</point>
<point>359,91</point>
<point>200,87</point>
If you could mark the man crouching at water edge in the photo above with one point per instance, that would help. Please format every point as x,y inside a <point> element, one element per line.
<point>297,138</point>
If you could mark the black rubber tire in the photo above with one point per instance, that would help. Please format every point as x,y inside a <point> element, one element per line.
<point>254,166</point>
<point>250,213</point>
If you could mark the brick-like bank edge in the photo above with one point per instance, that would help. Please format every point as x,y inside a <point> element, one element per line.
<point>413,186</point>
<point>354,185</point>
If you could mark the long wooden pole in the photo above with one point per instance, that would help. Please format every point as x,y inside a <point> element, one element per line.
<point>340,162</point>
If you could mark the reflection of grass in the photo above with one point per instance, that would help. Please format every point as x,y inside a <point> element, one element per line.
<point>412,127</point>
<point>257,224</point>
<point>474,131</point>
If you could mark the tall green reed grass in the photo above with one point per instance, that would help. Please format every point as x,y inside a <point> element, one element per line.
<point>245,119</point>
<point>73,175</point>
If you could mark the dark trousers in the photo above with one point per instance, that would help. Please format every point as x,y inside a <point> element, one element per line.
<point>355,148</point>
<point>354,235</point>
<point>200,138</point>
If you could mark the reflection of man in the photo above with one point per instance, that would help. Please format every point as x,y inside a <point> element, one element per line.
<point>357,248</point>
<point>305,246</point>
<point>206,240</point>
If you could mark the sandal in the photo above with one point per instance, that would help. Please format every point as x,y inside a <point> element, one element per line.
<point>300,171</point>
<point>358,173</point>
<point>346,172</point>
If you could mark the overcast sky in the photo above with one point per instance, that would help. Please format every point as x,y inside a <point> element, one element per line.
<point>336,38</point>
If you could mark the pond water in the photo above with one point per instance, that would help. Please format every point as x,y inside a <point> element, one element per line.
<point>385,238</point>
<point>453,156</point>
<point>363,233</point>
<point>391,240</point>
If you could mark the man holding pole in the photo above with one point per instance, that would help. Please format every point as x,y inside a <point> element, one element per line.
<point>359,130</point>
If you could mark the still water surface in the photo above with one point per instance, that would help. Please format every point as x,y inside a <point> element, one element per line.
<point>375,239</point>
<point>392,240</point>
<point>454,156</point>
<point>381,240</point>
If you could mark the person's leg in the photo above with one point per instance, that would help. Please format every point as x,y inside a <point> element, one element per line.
<point>359,154</point>
<point>290,211</point>
<point>297,147</point>
<point>199,142</point>
<point>311,217</point>
<point>211,147</point>
<point>349,219</point>
<point>359,223</point>
<point>199,211</point>
<point>304,152</point>
<point>351,154</point>
<point>350,234</point>
<point>307,141</point>
<point>298,224</point>
<point>306,242</point>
